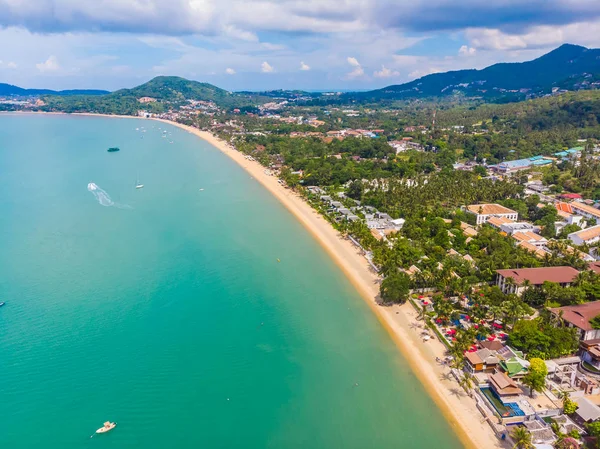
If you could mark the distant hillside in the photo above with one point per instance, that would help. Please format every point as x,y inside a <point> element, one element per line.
<point>569,66</point>
<point>7,90</point>
<point>168,91</point>
<point>176,89</point>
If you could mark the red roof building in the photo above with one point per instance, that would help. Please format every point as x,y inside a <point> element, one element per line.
<point>535,277</point>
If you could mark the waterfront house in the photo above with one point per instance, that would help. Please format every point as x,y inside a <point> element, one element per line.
<point>481,361</point>
<point>483,212</point>
<point>534,277</point>
<point>579,317</point>
<point>504,387</point>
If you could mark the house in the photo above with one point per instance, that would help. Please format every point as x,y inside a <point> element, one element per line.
<point>481,361</point>
<point>570,196</point>
<point>585,210</point>
<point>579,317</point>
<point>534,277</point>
<point>540,253</point>
<point>515,367</point>
<point>586,236</point>
<point>586,412</point>
<point>484,212</point>
<point>595,267</point>
<point>530,237</point>
<point>504,386</point>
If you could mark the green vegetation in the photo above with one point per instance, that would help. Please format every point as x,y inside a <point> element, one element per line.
<point>535,378</point>
<point>395,288</point>
<point>542,338</point>
<point>522,438</point>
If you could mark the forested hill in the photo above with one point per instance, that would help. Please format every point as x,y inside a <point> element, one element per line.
<point>177,89</point>
<point>7,90</point>
<point>569,66</point>
<point>164,93</point>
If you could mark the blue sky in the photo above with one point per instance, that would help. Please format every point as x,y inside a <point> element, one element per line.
<point>271,44</point>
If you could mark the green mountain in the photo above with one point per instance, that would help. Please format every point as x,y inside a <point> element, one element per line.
<point>569,66</point>
<point>8,90</point>
<point>175,89</point>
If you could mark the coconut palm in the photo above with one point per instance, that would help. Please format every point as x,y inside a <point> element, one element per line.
<point>522,438</point>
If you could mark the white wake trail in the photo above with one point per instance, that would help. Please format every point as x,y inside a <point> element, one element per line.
<point>103,197</point>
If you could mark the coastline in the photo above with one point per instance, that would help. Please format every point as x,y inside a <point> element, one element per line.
<point>457,407</point>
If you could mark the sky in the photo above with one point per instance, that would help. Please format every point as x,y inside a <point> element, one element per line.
<point>277,44</point>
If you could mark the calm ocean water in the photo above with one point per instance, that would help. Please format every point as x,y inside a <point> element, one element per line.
<point>165,308</point>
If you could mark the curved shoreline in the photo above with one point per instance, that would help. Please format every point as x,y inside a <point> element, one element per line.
<point>459,410</point>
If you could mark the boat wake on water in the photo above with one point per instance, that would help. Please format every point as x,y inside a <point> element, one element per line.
<point>104,198</point>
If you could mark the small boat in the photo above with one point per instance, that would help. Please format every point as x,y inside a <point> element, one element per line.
<point>2,303</point>
<point>108,426</point>
<point>138,184</point>
<point>113,149</point>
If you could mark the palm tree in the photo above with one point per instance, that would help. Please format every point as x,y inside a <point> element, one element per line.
<point>467,381</point>
<point>522,438</point>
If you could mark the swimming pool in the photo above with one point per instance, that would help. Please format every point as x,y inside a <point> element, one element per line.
<point>507,410</point>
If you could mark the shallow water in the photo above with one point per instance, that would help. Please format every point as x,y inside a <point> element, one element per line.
<point>165,309</point>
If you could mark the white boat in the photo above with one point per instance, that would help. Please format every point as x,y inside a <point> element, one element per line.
<point>108,426</point>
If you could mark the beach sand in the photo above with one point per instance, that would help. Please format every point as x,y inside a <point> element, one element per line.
<point>400,321</point>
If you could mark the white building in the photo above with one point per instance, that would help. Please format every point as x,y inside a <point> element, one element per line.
<point>585,236</point>
<point>484,212</point>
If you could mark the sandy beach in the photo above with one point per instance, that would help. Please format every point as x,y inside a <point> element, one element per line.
<point>400,321</point>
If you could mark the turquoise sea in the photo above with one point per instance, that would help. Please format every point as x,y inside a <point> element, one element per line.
<point>165,309</point>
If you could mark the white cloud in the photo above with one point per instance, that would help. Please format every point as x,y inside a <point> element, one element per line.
<point>49,65</point>
<point>385,73</point>
<point>273,47</point>
<point>237,33</point>
<point>265,67</point>
<point>466,51</point>
<point>304,66</point>
<point>423,72</point>
<point>358,71</point>
<point>230,71</point>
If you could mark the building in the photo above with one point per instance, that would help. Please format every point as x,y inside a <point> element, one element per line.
<point>540,253</point>
<point>579,317</point>
<point>534,277</point>
<point>484,212</point>
<point>504,386</point>
<point>585,210</point>
<point>531,238</point>
<point>585,236</point>
<point>586,412</point>
<point>511,227</point>
<point>498,222</point>
<point>481,361</point>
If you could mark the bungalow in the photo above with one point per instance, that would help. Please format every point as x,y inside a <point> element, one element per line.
<point>484,212</point>
<point>579,317</point>
<point>586,236</point>
<point>533,276</point>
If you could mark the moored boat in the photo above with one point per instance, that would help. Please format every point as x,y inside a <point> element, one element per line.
<point>113,149</point>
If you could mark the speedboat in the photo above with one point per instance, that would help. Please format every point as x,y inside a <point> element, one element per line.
<point>108,426</point>
<point>139,186</point>
<point>2,303</point>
